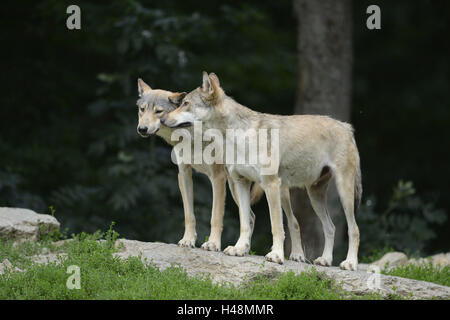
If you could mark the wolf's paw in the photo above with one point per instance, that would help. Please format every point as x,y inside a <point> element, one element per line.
<point>322,261</point>
<point>349,264</point>
<point>300,257</point>
<point>276,257</point>
<point>187,243</point>
<point>237,250</point>
<point>211,246</point>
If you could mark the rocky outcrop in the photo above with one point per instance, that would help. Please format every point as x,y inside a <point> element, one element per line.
<point>395,259</point>
<point>23,224</point>
<point>392,259</point>
<point>438,260</point>
<point>236,270</point>
<point>6,266</point>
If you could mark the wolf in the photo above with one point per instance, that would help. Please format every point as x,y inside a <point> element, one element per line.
<point>312,149</point>
<point>153,104</point>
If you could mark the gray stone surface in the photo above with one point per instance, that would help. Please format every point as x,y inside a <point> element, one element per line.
<point>235,270</point>
<point>438,260</point>
<point>395,259</point>
<point>48,258</point>
<point>6,266</point>
<point>24,224</point>
<point>392,259</point>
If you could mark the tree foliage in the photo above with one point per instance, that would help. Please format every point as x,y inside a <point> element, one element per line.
<point>68,116</point>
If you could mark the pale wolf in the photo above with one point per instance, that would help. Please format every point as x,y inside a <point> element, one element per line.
<point>312,149</point>
<point>154,104</point>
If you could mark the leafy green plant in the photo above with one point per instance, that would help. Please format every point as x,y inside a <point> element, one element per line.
<point>407,224</point>
<point>12,192</point>
<point>376,254</point>
<point>51,235</point>
<point>93,166</point>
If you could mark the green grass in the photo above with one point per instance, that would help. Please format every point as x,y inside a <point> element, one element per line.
<point>425,272</point>
<point>104,276</point>
<point>19,254</point>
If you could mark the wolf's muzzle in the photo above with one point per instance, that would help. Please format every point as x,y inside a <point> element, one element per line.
<point>142,130</point>
<point>184,125</point>
<point>180,125</point>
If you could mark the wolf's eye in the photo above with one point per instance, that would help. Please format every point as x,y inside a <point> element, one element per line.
<point>158,111</point>
<point>142,109</point>
<point>185,103</point>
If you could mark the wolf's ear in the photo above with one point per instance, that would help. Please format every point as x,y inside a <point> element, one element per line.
<point>206,84</point>
<point>143,87</point>
<point>177,97</point>
<point>214,79</point>
<point>211,87</point>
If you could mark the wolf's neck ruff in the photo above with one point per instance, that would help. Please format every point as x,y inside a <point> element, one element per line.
<point>166,133</point>
<point>229,114</point>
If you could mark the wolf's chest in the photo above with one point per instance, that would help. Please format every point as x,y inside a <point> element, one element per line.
<point>250,172</point>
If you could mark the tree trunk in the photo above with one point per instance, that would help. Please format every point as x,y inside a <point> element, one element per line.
<point>324,44</point>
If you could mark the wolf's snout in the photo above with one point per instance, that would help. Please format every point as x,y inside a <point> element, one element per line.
<point>142,129</point>
<point>173,124</point>
<point>166,121</point>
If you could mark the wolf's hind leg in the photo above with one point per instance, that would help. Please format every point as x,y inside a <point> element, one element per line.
<point>186,188</point>
<point>236,200</point>
<point>345,184</point>
<point>271,185</point>
<point>318,196</point>
<point>297,253</point>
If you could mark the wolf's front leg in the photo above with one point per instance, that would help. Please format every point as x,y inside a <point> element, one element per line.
<point>271,185</point>
<point>218,180</point>
<point>187,194</point>
<point>242,193</point>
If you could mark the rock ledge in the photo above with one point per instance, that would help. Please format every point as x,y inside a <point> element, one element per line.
<point>236,270</point>
<point>24,224</point>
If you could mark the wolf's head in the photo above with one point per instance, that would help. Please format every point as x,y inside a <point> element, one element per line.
<point>198,105</point>
<point>153,105</point>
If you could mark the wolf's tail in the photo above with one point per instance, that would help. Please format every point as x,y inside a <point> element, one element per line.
<point>358,183</point>
<point>256,193</point>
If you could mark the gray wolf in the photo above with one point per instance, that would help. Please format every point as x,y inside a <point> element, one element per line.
<point>153,104</point>
<point>312,150</point>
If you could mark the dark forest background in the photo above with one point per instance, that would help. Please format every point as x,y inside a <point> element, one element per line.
<point>68,111</point>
